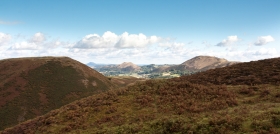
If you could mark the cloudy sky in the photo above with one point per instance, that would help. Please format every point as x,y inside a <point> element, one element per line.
<point>140,31</point>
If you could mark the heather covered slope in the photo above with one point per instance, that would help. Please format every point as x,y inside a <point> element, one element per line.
<point>140,107</point>
<point>122,81</point>
<point>172,106</point>
<point>33,86</point>
<point>250,73</point>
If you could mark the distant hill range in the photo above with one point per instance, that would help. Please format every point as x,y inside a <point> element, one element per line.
<point>124,67</point>
<point>198,63</point>
<point>34,86</point>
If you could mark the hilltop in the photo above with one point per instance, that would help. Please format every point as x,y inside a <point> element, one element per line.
<point>203,63</point>
<point>33,86</point>
<point>191,104</point>
<point>128,66</point>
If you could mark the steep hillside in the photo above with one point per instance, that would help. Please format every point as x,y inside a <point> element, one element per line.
<point>123,81</point>
<point>202,63</point>
<point>178,105</point>
<point>33,86</point>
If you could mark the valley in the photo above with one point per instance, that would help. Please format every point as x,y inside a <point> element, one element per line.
<point>139,67</point>
<point>239,98</point>
<point>152,71</point>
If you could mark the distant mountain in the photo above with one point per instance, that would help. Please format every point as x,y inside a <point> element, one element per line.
<point>128,66</point>
<point>95,65</point>
<point>202,63</point>
<point>91,64</point>
<point>34,86</point>
<point>125,67</point>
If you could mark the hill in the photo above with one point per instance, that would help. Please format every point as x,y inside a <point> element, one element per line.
<point>125,67</point>
<point>179,105</point>
<point>202,63</point>
<point>34,86</point>
<point>128,66</point>
<point>196,64</point>
<point>248,73</point>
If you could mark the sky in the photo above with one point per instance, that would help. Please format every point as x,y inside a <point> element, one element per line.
<point>140,31</point>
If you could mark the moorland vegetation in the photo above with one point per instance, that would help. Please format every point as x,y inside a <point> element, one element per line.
<point>30,87</point>
<point>242,98</point>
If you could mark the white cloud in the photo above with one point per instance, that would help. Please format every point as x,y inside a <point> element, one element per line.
<point>110,49</point>
<point>36,42</point>
<point>246,55</point>
<point>37,38</point>
<point>262,40</point>
<point>4,38</point>
<point>228,41</point>
<point>25,46</point>
<point>54,44</point>
<point>165,44</point>
<point>266,51</point>
<point>109,40</point>
<point>135,41</point>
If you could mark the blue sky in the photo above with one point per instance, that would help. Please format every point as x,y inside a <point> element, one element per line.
<point>140,31</point>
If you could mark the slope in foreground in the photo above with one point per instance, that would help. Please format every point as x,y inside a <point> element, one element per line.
<point>34,86</point>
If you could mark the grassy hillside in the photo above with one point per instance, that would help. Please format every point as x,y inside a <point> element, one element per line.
<point>34,86</point>
<point>250,73</point>
<point>122,81</point>
<point>179,105</point>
